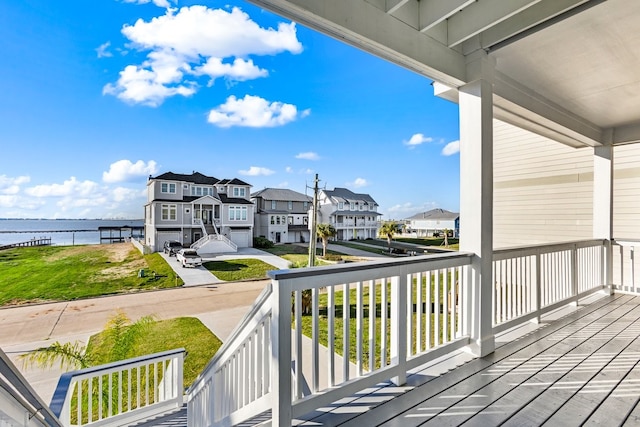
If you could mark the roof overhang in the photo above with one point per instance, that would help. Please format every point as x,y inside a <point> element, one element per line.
<point>567,69</point>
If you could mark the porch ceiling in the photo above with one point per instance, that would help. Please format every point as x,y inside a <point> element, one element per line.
<point>568,69</point>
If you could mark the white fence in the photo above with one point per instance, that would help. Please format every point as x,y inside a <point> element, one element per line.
<point>402,314</point>
<point>533,280</point>
<point>19,403</point>
<point>121,393</point>
<point>626,271</point>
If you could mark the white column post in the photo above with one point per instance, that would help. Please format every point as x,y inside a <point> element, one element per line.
<point>281,382</point>
<point>476,195</point>
<point>603,207</point>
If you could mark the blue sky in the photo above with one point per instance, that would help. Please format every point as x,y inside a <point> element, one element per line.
<point>97,95</point>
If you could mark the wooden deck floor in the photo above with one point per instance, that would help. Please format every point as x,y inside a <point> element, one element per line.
<point>581,369</point>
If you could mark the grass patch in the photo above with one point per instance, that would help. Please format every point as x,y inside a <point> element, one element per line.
<point>239,269</point>
<point>298,256</point>
<point>63,273</point>
<point>363,247</point>
<point>187,332</point>
<point>438,310</point>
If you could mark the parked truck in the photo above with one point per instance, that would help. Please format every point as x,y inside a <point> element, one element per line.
<point>189,257</point>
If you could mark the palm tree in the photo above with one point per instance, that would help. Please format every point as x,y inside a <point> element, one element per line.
<point>325,231</point>
<point>387,230</point>
<point>75,356</point>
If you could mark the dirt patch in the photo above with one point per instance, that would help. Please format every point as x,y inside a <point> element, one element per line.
<point>116,252</point>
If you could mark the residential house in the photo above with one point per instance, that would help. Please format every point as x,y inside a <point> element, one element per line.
<point>281,215</point>
<point>354,216</point>
<point>211,214</point>
<point>434,221</point>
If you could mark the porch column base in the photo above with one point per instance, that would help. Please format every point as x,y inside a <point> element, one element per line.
<point>482,347</point>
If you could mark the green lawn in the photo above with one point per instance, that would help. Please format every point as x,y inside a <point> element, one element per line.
<point>299,256</point>
<point>239,269</point>
<point>62,273</point>
<point>338,328</point>
<point>183,332</point>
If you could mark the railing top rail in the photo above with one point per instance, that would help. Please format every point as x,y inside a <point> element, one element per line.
<point>119,363</point>
<point>548,247</point>
<point>626,242</point>
<point>364,266</point>
<point>22,391</point>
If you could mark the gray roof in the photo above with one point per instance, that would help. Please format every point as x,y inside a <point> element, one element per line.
<point>281,194</point>
<point>198,178</point>
<point>435,214</point>
<point>347,195</point>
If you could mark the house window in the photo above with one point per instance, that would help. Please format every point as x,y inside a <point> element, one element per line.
<point>168,187</point>
<point>273,220</point>
<point>238,191</point>
<point>237,213</point>
<point>274,204</point>
<point>305,205</point>
<point>169,212</point>
<point>284,219</point>
<point>290,220</point>
<point>341,205</point>
<point>352,206</point>
<point>278,220</point>
<point>290,205</point>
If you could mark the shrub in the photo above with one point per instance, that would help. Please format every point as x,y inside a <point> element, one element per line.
<point>333,257</point>
<point>262,243</point>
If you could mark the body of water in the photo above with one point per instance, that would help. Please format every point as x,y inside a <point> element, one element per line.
<point>61,231</point>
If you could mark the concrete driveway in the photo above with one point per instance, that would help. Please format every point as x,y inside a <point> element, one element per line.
<point>198,276</point>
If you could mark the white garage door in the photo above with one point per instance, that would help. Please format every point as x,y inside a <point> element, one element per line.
<point>165,236</point>
<point>240,238</point>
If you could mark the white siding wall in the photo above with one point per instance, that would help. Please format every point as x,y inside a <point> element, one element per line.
<point>626,192</point>
<point>542,189</point>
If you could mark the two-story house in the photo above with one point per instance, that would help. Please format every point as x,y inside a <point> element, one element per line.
<point>282,215</point>
<point>426,224</point>
<point>201,211</point>
<point>353,215</point>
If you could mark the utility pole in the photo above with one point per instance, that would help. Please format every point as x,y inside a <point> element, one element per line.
<point>314,219</point>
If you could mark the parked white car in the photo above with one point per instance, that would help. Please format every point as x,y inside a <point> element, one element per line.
<point>189,257</point>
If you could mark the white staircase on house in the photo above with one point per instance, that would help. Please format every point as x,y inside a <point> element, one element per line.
<point>212,242</point>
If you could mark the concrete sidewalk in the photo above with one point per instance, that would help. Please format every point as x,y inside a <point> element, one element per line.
<point>219,306</point>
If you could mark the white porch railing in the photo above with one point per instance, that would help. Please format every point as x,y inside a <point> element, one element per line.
<point>121,393</point>
<point>19,403</point>
<point>402,313</point>
<point>533,280</point>
<point>626,271</point>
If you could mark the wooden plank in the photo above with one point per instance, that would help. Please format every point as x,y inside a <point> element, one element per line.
<point>387,411</point>
<point>560,380</point>
<point>489,389</point>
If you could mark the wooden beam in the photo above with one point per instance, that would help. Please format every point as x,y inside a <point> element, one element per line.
<point>371,29</point>
<point>432,12</point>
<point>482,15</point>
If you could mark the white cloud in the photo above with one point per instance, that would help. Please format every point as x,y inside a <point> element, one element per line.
<point>125,170</point>
<point>22,203</point>
<point>253,111</point>
<point>409,208</point>
<point>103,51</point>
<point>70,187</point>
<point>10,185</point>
<point>358,183</point>
<point>310,155</point>
<point>239,70</point>
<point>451,148</point>
<point>288,169</point>
<point>308,171</point>
<point>257,171</point>
<point>417,139</point>
<point>192,42</point>
<point>160,3</point>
